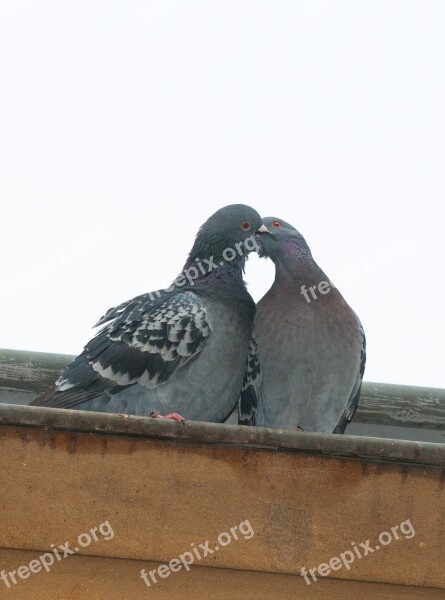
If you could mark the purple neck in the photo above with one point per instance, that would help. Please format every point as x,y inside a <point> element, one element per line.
<point>294,262</point>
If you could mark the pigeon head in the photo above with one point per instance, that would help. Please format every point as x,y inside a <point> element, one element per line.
<point>228,235</point>
<point>281,240</point>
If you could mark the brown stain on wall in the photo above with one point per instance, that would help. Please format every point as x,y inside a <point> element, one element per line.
<point>161,496</point>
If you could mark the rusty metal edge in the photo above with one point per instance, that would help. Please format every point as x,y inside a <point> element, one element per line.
<point>339,446</point>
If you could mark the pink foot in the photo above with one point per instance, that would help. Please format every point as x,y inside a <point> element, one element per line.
<point>172,416</point>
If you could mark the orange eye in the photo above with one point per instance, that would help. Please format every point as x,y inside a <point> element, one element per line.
<point>276,224</point>
<point>245,226</point>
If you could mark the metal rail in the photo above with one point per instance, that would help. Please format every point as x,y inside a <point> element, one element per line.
<point>385,410</point>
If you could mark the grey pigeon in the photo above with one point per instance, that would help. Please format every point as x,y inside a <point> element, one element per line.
<point>308,350</point>
<point>182,349</point>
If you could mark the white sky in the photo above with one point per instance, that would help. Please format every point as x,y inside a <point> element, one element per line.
<point>124,125</point>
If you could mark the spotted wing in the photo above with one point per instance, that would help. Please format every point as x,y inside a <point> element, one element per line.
<point>250,392</point>
<point>145,341</point>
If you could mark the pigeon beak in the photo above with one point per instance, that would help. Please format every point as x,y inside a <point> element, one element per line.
<point>262,229</point>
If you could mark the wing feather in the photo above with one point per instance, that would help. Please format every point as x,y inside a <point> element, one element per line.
<point>142,341</point>
<point>351,407</point>
<point>250,392</point>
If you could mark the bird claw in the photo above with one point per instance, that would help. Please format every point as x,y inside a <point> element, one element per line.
<point>172,416</point>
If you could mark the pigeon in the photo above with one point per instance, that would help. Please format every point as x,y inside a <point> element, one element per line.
<point>180,350</point>
<point>307,353</point>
